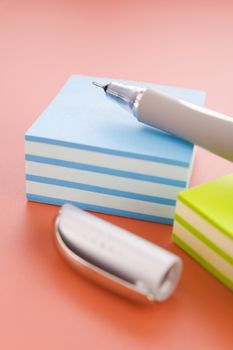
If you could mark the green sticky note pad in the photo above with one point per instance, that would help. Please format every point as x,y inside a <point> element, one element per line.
<point>203,226</point>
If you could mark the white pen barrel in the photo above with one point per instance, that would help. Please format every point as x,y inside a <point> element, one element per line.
<point>201,126</point>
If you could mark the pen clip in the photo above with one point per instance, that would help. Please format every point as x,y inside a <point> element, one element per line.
<point>99,275</point>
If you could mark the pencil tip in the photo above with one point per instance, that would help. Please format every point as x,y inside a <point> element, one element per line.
<point>97,84</point>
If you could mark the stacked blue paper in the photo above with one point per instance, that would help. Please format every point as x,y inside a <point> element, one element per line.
<point>85,150</point>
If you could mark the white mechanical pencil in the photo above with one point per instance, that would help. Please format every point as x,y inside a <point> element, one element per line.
<point>198,125</point>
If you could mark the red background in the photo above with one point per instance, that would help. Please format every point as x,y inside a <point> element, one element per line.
<point>43,303</point>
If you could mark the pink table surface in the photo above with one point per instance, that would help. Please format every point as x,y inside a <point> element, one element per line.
<point>43,303</point>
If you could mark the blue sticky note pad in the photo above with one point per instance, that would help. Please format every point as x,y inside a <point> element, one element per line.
<point>87,150</point>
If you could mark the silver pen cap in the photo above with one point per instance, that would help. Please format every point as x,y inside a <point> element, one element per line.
<point>125,95</point>
<point>115,258</point>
